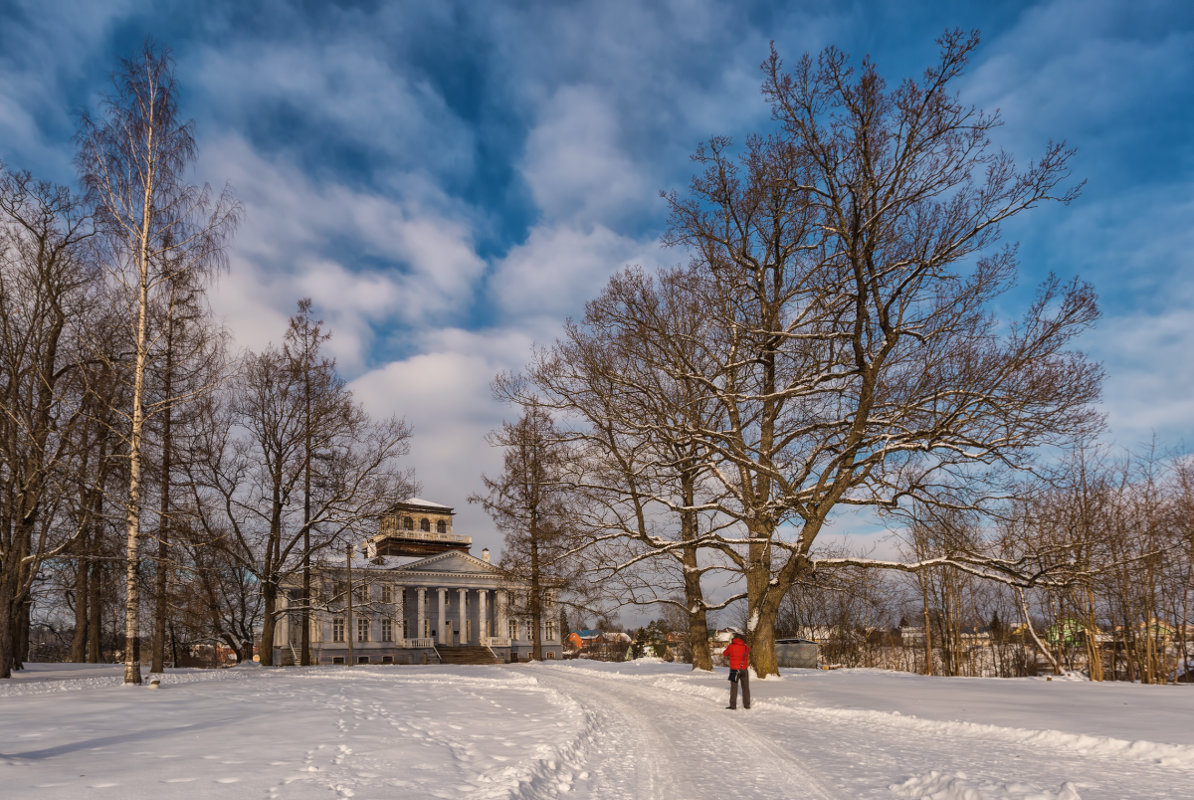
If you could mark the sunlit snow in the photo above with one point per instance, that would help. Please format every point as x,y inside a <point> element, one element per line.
<point>585,730</point>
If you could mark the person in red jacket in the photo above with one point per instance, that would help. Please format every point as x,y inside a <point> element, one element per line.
<point>738,655</point>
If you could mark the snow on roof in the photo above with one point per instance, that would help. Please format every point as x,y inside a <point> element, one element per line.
<point>418,501</point>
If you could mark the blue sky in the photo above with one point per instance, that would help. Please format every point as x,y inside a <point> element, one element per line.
<point>450,180</point>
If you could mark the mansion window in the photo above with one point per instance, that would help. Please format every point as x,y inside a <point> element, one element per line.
<point>441,527</point>
<point>387,593</point>
<point>408,524</point>
<point>513,629</point>
<point>405,629</point>
<point>387,630</point>
<point>362,630</point>
<point>550,631</point>
<point>362,593</point>
<point>337,629</point>
<point>425,525</point>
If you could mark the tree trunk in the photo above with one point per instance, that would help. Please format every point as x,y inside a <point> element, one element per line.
<point>1023,603</point>
<point>269,602</point>
<point>349,633</point>
<point>95,610</point>
<point>132,608</point>
<point>924,596</point>
<point>305,620</point>
<point>761,638</point>
<point>161,579</point>
<point>7,611</point>
<point>1094,655</point>
<point>698,625</point>
<point>24,617</point>
<point>78,642</point>
<point>536,596</point>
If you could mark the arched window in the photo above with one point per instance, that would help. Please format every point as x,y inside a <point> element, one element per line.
<point>408,524</point>
<point>441,527</point>
<point>425,525</point>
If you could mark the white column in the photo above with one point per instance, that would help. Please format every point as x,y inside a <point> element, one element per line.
<point>502,601</point>
<point>441,615</point>
<point>420,611</point>
<point>399,611</point>
<point>461,613</point>
<point>482,615</point>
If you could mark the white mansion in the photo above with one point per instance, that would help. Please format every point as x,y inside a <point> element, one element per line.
<point>417,597</point>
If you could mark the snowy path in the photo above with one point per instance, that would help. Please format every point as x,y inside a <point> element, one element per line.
<point>583,731</point>
<point>784,747</point>
<point>645,742</point>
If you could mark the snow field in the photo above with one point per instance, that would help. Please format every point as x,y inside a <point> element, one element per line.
<point>582,731</point>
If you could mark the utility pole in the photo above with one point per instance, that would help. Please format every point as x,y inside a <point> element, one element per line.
<point>348,631</point>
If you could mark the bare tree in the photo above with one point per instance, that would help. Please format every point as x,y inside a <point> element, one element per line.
<point>316,378</point>
<point>851,267</point>
<point>133,162</point>
<point>187,362</point>
<point>46,277</point>
<point>627,374</point>
<point>250,474</point>
<point>528,503</point>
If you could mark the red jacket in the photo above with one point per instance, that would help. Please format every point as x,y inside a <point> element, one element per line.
<point>738,654</point>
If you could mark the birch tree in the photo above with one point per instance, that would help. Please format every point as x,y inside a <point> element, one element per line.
<point>134,158</point>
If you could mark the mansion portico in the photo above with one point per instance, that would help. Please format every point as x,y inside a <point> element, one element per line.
<point>412,594</point>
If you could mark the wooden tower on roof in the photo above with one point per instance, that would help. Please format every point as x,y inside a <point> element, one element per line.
<point>416,527</point>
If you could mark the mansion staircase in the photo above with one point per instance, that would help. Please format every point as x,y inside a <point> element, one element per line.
<point>466,654</point>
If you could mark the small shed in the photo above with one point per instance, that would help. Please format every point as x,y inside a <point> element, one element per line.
<point>799,653</point>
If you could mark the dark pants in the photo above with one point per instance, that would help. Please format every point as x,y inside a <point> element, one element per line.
<point>744,679</point>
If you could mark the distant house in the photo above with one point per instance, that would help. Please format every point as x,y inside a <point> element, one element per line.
<point>1069,632</point>
<point>583,640</point>
<point>911,635</point>
<point>820,633</point>
<point>598,645</point>
<point>417,594</point>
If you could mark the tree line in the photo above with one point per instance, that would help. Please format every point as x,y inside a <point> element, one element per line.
<point>156,490</point>
<point>840,338</point>
<point>835,340</point>
<point>1124,524</point>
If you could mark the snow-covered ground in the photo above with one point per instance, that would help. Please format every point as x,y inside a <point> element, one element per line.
<point>585,730</point>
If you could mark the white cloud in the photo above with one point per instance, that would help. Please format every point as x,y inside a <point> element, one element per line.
<point>1149,389</point>
<point>1079,71</point>
<point>574,163</point>
<point>48,55</point>
<point>558,269</point>
<point>300,238</point>
<point>446,398</point>
<point>338,85</point>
